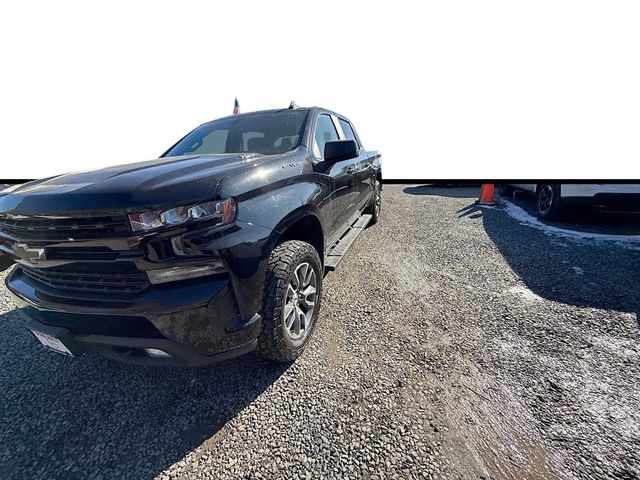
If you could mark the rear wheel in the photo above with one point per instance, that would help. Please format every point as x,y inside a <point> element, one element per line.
<point>291,302</point>
<point>548,201</point>
<point>376,202</point>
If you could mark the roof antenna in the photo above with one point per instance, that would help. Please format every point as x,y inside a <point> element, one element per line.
<point>293,105</point>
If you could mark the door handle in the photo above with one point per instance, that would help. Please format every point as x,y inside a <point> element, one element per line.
<point>350,169</point>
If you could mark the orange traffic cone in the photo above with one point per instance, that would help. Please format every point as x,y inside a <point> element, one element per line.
<point>486,195</point>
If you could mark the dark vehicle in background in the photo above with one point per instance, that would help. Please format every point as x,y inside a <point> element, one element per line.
<point>213,250</point>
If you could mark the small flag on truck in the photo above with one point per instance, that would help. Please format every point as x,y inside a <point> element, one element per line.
<point>236,107</point>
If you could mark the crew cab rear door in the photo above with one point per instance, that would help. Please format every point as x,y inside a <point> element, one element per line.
<point>339,207</point>
<point>363,174</point>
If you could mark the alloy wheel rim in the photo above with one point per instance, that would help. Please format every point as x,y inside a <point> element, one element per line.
<point>300,303</point>
<point>546,199</point>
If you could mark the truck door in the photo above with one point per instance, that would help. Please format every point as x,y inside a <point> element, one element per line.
<point>363,174</point>
<point>336,211</point>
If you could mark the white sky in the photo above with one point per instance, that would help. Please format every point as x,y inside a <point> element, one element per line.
<point>455,89</point>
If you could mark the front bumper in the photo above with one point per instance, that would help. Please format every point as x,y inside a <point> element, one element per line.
<point>97,289</point>
<point>136,350</point>
<point>196,322</point>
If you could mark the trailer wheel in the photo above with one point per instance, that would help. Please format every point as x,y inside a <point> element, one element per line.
<point>548,201</point>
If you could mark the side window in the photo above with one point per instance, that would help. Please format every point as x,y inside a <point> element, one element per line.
<point>348,131</point>
<point>325,132</point>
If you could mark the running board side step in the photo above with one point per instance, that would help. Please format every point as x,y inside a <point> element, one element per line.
<point>336,254</point>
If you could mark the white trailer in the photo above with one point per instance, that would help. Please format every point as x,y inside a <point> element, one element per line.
<point>552,197</point>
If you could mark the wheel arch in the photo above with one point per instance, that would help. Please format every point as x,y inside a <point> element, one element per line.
<point>304,225</point>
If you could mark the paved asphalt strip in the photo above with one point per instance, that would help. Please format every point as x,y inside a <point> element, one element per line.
<point>454,342</point>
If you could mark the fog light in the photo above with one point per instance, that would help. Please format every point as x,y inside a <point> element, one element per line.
<point>155,352</point>
<point>173,274</point>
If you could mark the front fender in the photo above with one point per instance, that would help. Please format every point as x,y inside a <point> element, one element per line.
<point>279,207</point>
<point>260,222</point>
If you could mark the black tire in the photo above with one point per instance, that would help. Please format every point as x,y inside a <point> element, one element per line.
<point>275,341</point>
<point>374,206</point>
<point>548,201</point>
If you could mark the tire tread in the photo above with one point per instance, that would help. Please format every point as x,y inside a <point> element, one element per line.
<point>287,255</point>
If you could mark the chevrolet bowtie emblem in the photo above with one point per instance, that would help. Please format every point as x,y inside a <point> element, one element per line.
<point>31,255</point>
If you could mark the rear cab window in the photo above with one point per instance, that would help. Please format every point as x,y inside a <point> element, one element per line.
<point>348,132</point>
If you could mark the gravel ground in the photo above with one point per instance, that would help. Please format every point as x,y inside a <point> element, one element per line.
<point>454,342</point>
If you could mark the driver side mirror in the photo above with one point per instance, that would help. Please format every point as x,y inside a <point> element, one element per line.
<point>340,150</point>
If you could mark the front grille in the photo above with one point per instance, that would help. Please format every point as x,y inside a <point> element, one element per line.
<point>124,280</point>
<point>43,228</point>
<point>86,253</point>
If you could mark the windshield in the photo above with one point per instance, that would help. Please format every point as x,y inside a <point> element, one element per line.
<point>263,132</point>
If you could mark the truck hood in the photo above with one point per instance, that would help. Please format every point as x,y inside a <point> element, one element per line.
<point>154,183</point>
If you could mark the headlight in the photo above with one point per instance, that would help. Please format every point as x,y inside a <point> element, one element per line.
<point>221,211</point>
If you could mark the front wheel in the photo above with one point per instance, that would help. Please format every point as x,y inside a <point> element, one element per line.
<point>376,202</point>
<point>293,289</point>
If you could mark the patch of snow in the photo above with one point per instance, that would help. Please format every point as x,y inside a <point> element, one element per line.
<point>523,218</point>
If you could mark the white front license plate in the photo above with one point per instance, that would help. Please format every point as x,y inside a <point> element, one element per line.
<point>52,342</point>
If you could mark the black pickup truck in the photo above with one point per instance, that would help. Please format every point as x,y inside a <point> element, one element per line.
<point>215,249</point>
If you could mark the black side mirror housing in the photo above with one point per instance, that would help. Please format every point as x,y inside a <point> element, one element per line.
<point>340,150</point>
